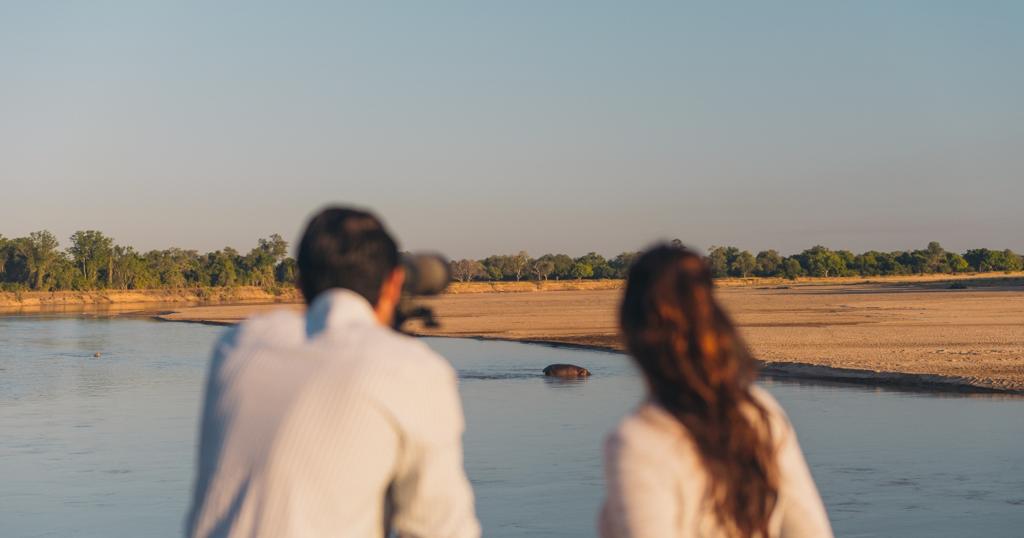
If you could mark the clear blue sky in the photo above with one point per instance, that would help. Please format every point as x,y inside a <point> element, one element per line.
<point>485,127</point>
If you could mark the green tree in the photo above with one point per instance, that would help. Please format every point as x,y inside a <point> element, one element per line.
<point>984,260</point>
<point>14,268</point>
<point>221,268</point>
<point>65,274</point>
<point>519,264</point>
<point>582,270</point>
<point>1011,261</point>
<point>848,259</point>
<point>497,266</point>
<point>541,269</point>
<point>620,264</point>
<point>91,251</point>
<point>890,263</point>
<point>768,263</point>
<point>261,261</point>
<point>275,247</point>
<point>822,262</point>
<point>562,265</point>
<point>174,267</point>
<point>867,264</point>
<point>791,268</point>
<point>287,271</point>
<point>720,260</point>
<point>598,265</point>
<point>4,251</point>
<point>130,270</point>
<point>466,270</point>
<point>957,263</point>
<point>743,264</point>
<point>40,250</point>
<point>930,260</point>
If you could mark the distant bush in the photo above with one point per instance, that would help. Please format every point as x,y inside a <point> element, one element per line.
<point>95,261</point>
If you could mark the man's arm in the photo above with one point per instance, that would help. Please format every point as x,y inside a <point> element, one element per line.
<point>430,493</point>
<point>210,431</point>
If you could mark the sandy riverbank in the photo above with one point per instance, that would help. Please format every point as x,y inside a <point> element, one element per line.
<point>118,300</point>
<point>49,301</point>
<point>902,333</point>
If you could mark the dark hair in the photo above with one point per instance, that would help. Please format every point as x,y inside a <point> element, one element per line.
<point>345,248</point>
<point>699,370</point>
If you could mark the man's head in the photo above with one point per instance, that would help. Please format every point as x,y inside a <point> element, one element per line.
<point>351,249</point>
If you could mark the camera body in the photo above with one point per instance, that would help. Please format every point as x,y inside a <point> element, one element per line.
<point>426,274</point>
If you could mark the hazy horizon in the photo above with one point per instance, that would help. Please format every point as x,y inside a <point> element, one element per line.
<point>484,129</point>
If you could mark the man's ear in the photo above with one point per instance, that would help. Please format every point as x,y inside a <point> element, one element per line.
<point>396,280</point>
<point>390,294</point>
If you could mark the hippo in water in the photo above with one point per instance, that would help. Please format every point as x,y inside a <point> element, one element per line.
<point>566,370</point>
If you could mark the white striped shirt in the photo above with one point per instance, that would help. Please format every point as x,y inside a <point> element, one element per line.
<point>330,424</point>
<point>657,483</point>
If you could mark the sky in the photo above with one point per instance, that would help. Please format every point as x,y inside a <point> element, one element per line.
<point>491,127</point>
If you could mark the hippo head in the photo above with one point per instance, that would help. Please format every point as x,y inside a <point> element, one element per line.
<point>566,370</point>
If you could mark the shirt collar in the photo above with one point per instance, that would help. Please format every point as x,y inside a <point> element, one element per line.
<point>335,308</point>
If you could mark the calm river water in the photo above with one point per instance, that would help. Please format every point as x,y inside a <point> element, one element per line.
<point>104,447</point>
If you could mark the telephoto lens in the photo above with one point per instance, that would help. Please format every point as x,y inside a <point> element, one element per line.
<point>425,274</point>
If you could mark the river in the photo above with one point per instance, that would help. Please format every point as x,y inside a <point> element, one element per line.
<point>104,446</point>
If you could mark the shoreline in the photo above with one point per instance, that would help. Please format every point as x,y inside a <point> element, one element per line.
<point>787,371</point>
<point>917,334</point>
<point>586,321</point>
<point>792,371</point>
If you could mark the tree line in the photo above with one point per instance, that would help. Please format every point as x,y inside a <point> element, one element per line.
<point>816,261</point>
<point>94,261</point>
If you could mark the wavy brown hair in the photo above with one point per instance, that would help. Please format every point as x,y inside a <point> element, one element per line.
<point>699,370</point>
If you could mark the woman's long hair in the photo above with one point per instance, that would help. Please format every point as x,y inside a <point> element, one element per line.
<point>699,370</point>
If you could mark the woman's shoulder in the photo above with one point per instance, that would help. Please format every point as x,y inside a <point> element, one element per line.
<point>780,427</point>
<point>765,398</point>
<point>648,428</point>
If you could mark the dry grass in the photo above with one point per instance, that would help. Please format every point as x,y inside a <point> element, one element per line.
<point>970,279</point>
<point>525,286</point>
<point>853,280</point>
<point>114,299</point>
<point>28,300</point>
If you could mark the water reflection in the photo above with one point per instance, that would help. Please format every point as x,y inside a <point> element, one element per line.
<point>562,382</point>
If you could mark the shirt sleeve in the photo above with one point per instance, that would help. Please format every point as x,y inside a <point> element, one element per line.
<point>803,513</point>
<point>430,494</point>
<point>641,497</point>
<point>210,431</point>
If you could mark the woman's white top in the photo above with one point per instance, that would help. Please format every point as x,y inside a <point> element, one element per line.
<point>656,482</point>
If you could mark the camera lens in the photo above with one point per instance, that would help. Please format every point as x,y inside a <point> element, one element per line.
<point>425,274</point>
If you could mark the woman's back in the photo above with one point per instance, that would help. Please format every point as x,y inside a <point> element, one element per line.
<point>657,484</point>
